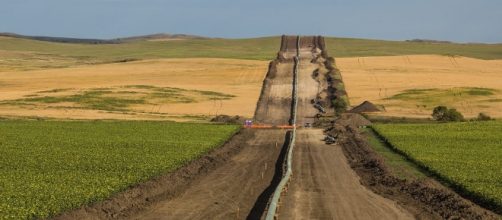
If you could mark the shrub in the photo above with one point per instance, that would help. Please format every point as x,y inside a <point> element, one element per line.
<point>442,113</point>
<point>484,117</point>
<point>340,105</point>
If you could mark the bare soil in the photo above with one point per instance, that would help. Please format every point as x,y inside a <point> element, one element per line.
<point>365,107</point>
<point>231,191</point>
<point>324,186</point>
<point>274,105</point>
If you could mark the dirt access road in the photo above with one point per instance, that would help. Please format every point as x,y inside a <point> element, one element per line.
<point>323,185</point>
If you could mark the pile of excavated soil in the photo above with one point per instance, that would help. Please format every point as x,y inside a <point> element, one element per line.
<point>228,119</point>
<point>366,106</point>
<point>425,199</point>
<point>352,119</point>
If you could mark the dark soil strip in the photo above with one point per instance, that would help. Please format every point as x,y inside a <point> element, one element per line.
<point>142,196</point>
<point>426,199</point>
<point>262,202</point>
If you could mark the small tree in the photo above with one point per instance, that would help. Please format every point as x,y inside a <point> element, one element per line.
<point>442,113</point>
<point>439,113</point>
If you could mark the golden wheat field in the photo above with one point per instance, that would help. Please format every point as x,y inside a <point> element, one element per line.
<point>172,89</point>
<point>412,86</point>
<point>199,88</point>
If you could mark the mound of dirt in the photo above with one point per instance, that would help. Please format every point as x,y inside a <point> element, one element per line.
<point>228,119</point>
<point>352,119</point>
<point>366,106</point>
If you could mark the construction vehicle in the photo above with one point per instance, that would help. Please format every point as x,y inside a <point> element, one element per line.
<point>317,105</point>
<point>320,108</point>
<point>330,139</point>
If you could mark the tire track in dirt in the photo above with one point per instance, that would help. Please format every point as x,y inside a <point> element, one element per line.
<point>324,186</point>
<point>231,190</point>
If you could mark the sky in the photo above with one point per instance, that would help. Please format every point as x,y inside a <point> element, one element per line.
<point>452,20</point>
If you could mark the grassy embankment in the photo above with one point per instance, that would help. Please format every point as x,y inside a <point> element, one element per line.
<point>47,167</point>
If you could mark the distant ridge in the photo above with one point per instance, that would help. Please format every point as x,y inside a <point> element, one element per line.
<point>430,41</point>
<point>160,36</point>
<point>61,39</point>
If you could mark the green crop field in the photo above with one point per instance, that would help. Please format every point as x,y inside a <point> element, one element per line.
<point>28,54</point>
<point>47,167</point>
<point>465,155</point>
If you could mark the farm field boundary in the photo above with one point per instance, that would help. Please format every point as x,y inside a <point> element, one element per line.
<point>424,198</point>
<point>137,198</point>
<point>480,185</point>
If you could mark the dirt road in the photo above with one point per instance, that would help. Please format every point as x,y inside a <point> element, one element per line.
<point>324,186</point>
<point>308,88</point>
<point>274,106</point>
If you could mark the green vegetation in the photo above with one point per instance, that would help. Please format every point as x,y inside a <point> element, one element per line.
<point>340,104</point>
<point>27,54</point>
<point>47,167</point>
<point>54,90</point>
<point>398,164</point>
<point>348,47</point>
<point>483,117</point>
<point>93,99</point>
<point>440,95</point>
<point>432,97</point>
<point>118,99</point>
<point>442,113</point>
<point>340,100</point>
<point>465,155</point>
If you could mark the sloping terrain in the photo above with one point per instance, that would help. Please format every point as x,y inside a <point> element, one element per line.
<point>24,52</point>
<point>161,89</point>
<point>414,85</point>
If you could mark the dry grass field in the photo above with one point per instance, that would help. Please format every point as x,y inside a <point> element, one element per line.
<point>169,89</point>
<point>412,86</point>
